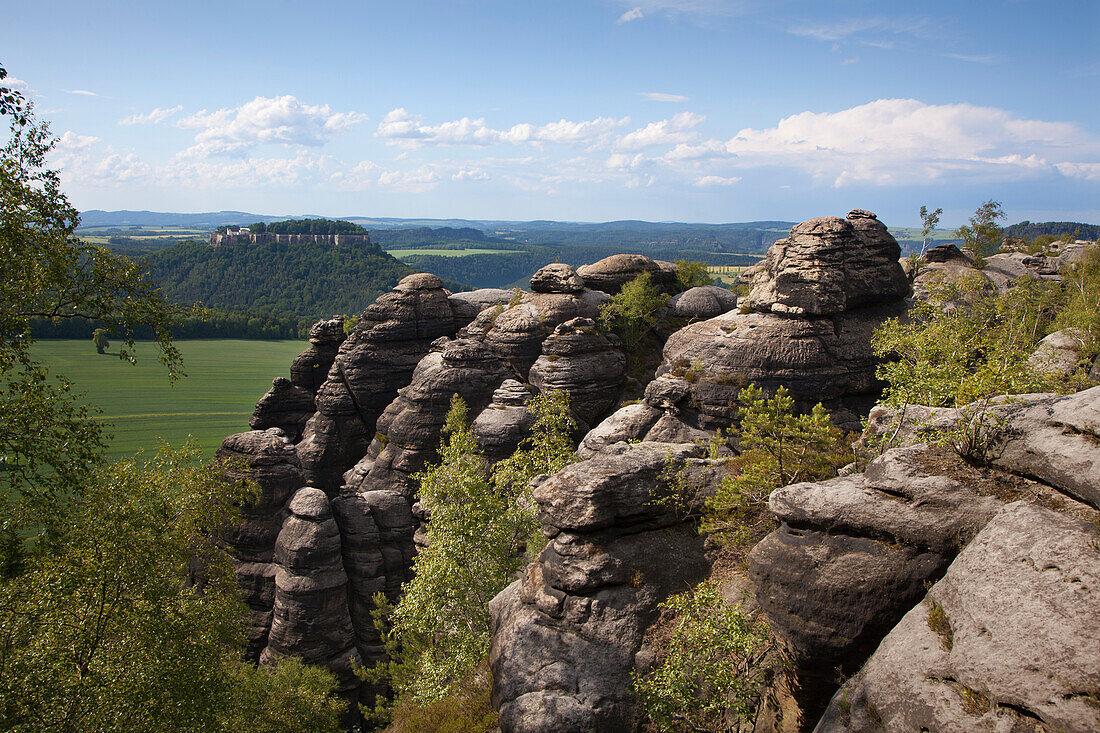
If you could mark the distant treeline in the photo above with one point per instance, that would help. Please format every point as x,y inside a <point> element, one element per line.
<point>424,236</point>
<point>303,226</point>
<point>216,324</point>
<point>1027,230</point>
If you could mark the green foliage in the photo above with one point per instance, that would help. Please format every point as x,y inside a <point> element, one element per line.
<point>778,447</point>
<point>632,312</point>
<point>1082,306</point>
<point>302,226</point>
<point>100,340</point>
<point>1029,230</point>
<point>965,343</point>
<point>691,274</point>
<point>112,631</point>
<point>983,235</point>
<point>481,530</point>
<point>720,661</point>
<point>929,220</point>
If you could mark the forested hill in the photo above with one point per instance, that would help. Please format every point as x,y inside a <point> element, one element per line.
<point>308,280</point>
<point>1028,230</point>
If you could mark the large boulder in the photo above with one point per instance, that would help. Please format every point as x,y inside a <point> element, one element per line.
<point>284,406</point>
<point>611,273</point>
<point>557,278</point>
<point>505,422</point>
<point>1007,640</point>
<point>579,361</point>
<point>467,305</point>
<point>566,637</point>
<point>702,302</point>
<point>378,358</point>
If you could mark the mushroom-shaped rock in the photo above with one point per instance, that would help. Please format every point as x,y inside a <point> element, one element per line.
<point>704,301</point>
<point>578,360</point>
<point>505,422</point>
<point>828,265</point>
<point>284,406</point>
<point>468,304</point>
<point>557,278</point>
<point>311,619</point>
<point>611,273</point>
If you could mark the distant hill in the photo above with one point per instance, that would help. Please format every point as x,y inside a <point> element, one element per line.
<point>1030,230</point>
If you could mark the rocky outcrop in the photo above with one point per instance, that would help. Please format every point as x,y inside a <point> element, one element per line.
<point>1059,353</point>
<point>267,458</point>
<point>378,358</point>
<point>814,305</point>
<point>1004,269</point>
<point>579,361</point>
<point>1007,640</point>
<point>566,636</point>
<point>611,273</point>
<point>557,278</point>
<point>310,369</point>
<point>311,620</point>
<point>284,406</point>
<point>468,304</point>
<point>515,334</point>
<point>408,431</point>
<point>704,301</point>
<point>505,422</point>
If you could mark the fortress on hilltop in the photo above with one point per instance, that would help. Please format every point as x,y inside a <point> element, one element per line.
<point>242,235</point>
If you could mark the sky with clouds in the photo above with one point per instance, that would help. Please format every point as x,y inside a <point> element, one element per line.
<point>584,110</point>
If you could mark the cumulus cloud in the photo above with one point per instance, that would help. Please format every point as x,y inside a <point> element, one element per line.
<point>632,14</point>
<point>717,180</point>
<point>158,115</point>
<point>243,173</point>
<point>672,131</point>
<point>18,85</point>
<point>662,97</point>
<point>401,128</point>
<point>470,174</point>
<point>82,159</point>
<point>265,120</point>
<point>898,141</point>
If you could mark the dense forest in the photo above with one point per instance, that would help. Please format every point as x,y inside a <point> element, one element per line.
<point>303,226</point>
<point>1028,230</point>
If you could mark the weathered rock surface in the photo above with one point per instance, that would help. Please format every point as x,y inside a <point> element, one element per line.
<point>611,273</point>
<point>1015,649</point>
<point>467,305</point>
<point>705,301</point>
<point>268,458</point>
<point>578,360</point>
<point>378,358</point>
<point>1059,353</point>
<point>515,334</point>
<point>284,406</point>
<point>311,618</point>
<point>408,431</point>
<point>505,422</point>
<point>310,369</point>
<point>565,637</point>
<point>1004,269</point>
<point>829,265</point>
<point>557,278</point>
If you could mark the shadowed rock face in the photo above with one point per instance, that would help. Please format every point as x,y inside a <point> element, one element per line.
<point>284,406</point>
<point>815,303</point>
<point>1007,640</point>
<point>579,361</point>
<point>505,422</point>
<point>269,459</point>
<point>611,273</point>
<point>705,301</point>
<point>565,637</point>
<point>310,368</point>
<point>378,358</point>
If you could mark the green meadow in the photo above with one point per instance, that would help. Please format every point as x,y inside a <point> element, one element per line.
<point>224,379</point>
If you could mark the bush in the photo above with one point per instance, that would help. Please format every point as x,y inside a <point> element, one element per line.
<point>719,663</point>
<point>632,312</point>
<point>691,274</point>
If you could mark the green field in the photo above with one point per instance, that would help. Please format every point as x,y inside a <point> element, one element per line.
<point>225,378</point>
<point>399,253</point>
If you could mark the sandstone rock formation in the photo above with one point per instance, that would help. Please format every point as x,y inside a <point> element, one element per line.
<point>557,278</point>
<point>566,636</point>
<point>578,360</point>
<point>505,422</point>
<point>284,406</point>
<point>611,273</point>
<point>468,304</point>
<point>310,368</point>
<point>1007,640</point>
<point>392,335</point>
<point>705,301</point>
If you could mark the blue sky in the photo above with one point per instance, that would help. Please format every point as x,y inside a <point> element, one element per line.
<point>686,110</point>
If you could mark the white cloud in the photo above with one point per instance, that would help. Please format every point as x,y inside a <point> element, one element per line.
<point>401,128</point>
<point>901,141</point>
<point>81,92</point>
<point>664,132</point>
<point>632,14</point>
<point>708,149</point>
<point>155,117</point>
<point>304,168</point>
<point>1086,171</point>
<point>623,161</point>
<point>470,174</point>
<point>14,84</point>
<point>717,181</point>
<point>730,8</point>
<point>265,120</point>
<point>71,141</point>
<point>662,97</point>
<point>869,27</point>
